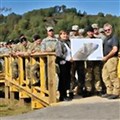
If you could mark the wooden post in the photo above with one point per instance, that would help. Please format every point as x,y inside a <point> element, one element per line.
<point>51,79</point>
<point>6,92</point>
<point>6,66</point>
<point>21,101</point>
<point>118,68</point>
<point>42,76</point>
<point>12,95</point>
<point>21,70</point>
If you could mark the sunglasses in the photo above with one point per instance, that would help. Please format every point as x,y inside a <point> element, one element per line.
<point>107,30</point>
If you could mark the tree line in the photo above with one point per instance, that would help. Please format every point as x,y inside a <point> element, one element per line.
<point>60,17</point>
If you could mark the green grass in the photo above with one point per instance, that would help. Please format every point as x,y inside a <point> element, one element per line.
<point>12,107</point>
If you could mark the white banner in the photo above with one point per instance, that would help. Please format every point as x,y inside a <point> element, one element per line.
<point>87,49</point>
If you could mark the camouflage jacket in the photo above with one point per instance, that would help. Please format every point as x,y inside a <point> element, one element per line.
<point>34,48</point>
<point>49,44</point>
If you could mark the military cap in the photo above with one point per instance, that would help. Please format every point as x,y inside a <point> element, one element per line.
<point>75,27</point>
<point>81,30</point>
<point>23,39</point>
<point>15,41</point>
<point>94,26</point>
<point>49,28</point>
<point>89,28</point>
<point>101,30</point>
<point>36,37</point>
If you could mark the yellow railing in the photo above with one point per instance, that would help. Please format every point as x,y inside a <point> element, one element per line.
<point>2,74</point>
<point>119,66</point>
<point>41,95</point>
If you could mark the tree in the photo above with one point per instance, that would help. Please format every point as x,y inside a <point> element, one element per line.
<point>100,14</point>
<point>63,8</point>
<point>84,13</point>
<point>1,18</point>
<point>23,24</point>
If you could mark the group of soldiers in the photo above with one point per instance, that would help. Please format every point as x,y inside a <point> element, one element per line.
<point>89,80</point>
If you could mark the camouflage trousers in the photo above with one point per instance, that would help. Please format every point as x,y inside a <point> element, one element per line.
<point>1,64</point>
<point>35,72</point>
<point>77,77</point>
<point>15,70</point>
<point>93,78</point>
<point>28,67</point>
<point>110,76</point>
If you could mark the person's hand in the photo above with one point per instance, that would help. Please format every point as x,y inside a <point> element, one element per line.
<point>104,58</point>
<point>71,60</point>
<point>21,54</point>
<point>119,54</point>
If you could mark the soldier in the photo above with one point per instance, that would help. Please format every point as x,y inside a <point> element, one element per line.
<point>97,33</point>
<point>49,43</point>
<point>109,72</point>
<point>35,68</point>
<point>81,32</point>
<point>6,49</point>
<point>22,48</point>
<point>93,71</point>
<point>77,66</point>
<point>19,50</point>
<point>36,45</point>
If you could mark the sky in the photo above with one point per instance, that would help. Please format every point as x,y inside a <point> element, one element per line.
<point>92,7</point>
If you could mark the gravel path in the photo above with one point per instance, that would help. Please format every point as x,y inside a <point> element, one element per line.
<point>92,108</point>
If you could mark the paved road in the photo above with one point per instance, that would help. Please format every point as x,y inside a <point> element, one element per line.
<point>92,108</point>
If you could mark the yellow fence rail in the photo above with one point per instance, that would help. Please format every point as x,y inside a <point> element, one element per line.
<point>41,95</point>
<point>119,68</point>
<point>2,74</point>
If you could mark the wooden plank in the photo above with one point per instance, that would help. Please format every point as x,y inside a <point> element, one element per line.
<point>43,100</point>
<point>6,92</point>
<point>2,81</point>
<point>21,70</point>
<point>119,68</point>
<point>36,104</point>
<point>41,90</point>
<point>51,79</point>
<point>12,95</point>
<point>42,76</point>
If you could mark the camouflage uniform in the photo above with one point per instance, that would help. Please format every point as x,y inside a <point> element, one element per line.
<point>79,68</point>
<point>34,70</point>
<point>109,71</point>
<point>14,64</point>
<point>20,48</point>
<point>4,50</point>
<point>34,47</point>
<point>93,72</point>
<point>93,76</point>
<point>48,44</point>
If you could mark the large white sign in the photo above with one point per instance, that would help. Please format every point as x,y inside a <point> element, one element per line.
<point>87,49</point>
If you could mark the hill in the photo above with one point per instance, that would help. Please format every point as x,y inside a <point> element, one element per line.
<point>60,17</point>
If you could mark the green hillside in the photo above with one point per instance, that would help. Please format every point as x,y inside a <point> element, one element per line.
<point>60,17</point>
